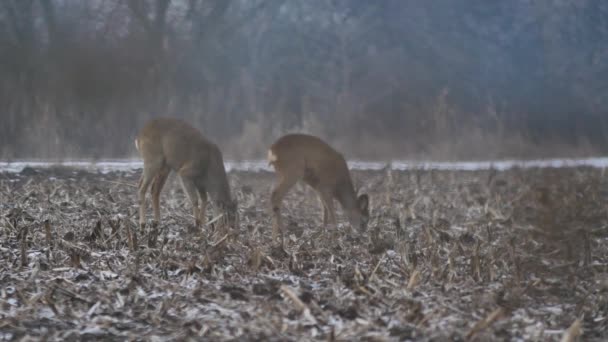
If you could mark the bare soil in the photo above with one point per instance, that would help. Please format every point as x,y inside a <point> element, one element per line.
<point>448,255</point>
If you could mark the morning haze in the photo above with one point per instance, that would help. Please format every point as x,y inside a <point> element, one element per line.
<point>400,79</point>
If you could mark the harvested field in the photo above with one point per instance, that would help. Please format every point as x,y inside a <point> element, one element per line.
<point>448,255</point>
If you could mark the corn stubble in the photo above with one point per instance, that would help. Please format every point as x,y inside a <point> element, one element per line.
<point>480,255</point>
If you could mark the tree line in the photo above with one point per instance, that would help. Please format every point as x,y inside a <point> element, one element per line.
<point>409,79</point>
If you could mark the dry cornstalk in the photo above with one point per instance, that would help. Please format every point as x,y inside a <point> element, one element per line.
<point>213,220</point>
<point>429,235</point>
<point>573,331</point>
<point>153,236</point>
<point>72,248</point>
<point>97,232</point>
<point>24,232</point>
<point>47,231</point>
<point>120,183</point>
<point>486,322</point>
<point>134,239</point>
<point>255,260</point>
<point>412,208</point>
<point>303,308</point>
<point>218,242</point>
<point>414,277</point>
<point>294,298</point>
<point>476,263</point>
<point>131,238</point>
<point>587,245</point>
<point>377,266</point>
<point>115,225</point>
<point>68,293</point>
<point>75,258</point>
<point>365,291</point>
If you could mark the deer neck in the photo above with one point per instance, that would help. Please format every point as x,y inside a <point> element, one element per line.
<point>218,186</point>
<point>346,195</point>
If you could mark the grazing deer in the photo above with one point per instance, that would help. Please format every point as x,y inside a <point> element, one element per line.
<point>304,157</point>
<point>167,144</point>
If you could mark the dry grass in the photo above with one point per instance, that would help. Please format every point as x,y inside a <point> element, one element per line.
<point>448,255</point>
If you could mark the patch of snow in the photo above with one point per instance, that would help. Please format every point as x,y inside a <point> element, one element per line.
<point>553,332</point>
<point>46,312</point>
<point>160,295</point>
<point>94,330</point>
<point>534,331</point>
<point>8,336</point>
<point>131,165</point>
<point>555,310</point>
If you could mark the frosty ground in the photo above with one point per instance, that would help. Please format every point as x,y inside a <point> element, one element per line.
<point>517,254</point>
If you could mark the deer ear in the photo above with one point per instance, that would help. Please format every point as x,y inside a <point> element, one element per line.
<point>363,203</point>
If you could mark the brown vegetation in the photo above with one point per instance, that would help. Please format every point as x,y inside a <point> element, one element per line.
<point>448,255</point>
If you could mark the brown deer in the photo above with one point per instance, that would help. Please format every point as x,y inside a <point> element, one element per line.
<point>167,144</point>
<point>305,157</point>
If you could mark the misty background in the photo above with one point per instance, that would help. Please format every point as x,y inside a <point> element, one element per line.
<point>388,78</point>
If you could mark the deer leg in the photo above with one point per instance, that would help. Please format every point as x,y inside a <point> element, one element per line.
<point>203,212</point>
<point>150,170</point>
<point>329,210</point>
<point>325,213</point>
<point>276,197</point>
<point>190,189</point>
<point>157,186</point>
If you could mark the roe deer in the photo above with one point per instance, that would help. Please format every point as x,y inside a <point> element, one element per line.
<point>167,144</point>
<point>305,157</point>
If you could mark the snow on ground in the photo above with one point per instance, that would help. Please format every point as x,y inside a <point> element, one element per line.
<point>109,165</point>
